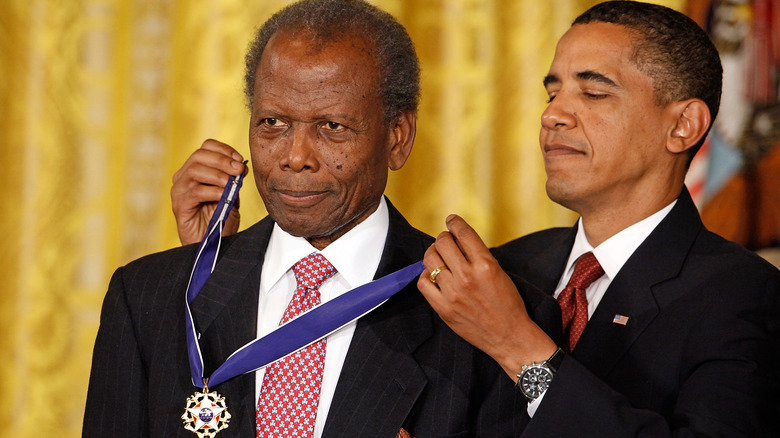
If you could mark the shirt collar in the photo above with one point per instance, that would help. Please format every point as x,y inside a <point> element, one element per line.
<point>614,252</point>
<point>355,255</point>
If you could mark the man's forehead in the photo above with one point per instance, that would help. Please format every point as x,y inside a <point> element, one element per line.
<point>607,39</point>
<point>593,51</point>
<point>300,77</point>
<point>350,51</point>
<point>316,40</point>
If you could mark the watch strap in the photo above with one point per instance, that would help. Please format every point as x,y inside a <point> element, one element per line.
<point>554,362</point>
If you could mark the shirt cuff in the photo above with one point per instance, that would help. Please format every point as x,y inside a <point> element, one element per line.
<point>534,405</point>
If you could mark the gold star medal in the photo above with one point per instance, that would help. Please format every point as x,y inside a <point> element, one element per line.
<point>206,414</point>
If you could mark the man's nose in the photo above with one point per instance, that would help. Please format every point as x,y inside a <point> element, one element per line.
<point>559,113</point>
<point>301,151</point>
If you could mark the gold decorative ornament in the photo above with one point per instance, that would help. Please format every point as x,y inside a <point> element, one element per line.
<point>206,414</point>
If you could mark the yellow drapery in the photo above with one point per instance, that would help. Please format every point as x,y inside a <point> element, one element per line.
<point>102,100</point>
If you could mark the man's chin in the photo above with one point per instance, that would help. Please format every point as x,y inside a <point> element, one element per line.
<point>312,230</point>
<point>561,194</point>
<point>299,222</point>
<point>305,230</point>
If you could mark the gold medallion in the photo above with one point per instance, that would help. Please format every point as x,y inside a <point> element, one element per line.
<point>206,414</point>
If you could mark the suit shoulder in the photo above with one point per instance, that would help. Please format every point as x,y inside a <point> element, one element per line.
<point>184,256</point>
<point>162,260</point>
<point>720,253</point>
<point>535,239</point>
<point>530,244</point>
<point>402,233</point>
<point>423,237</point>
<point>145,282</point>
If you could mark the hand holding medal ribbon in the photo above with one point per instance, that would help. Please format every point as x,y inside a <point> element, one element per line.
<point>206,413</point>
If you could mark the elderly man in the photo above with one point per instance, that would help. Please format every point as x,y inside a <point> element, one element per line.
<point>333,89</point>
<point>668,328</point>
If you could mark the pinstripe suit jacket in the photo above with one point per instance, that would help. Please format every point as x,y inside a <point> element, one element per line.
<point>404,368</point>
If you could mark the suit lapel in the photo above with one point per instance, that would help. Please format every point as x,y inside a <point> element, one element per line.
<point>658,258</point>
<point>542,263</point>
<point>381,380</point>
<point>241,257</point>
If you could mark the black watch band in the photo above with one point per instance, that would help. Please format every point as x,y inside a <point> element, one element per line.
<point>534,380</point>
<point>555,360</point>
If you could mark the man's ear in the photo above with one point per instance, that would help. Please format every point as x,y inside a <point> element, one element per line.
<point>692,118</point>
<point>401,139</point>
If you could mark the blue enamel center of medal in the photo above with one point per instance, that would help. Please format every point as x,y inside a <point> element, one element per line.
<point>205,415</point>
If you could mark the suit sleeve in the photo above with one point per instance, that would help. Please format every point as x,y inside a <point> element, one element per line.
<point>541,307</point>
<point>497,413</point>
<point>118,382</point>
<point>727,381</point>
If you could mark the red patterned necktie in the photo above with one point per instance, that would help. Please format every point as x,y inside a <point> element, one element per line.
<point>287,406</point>
<point>572,299</point>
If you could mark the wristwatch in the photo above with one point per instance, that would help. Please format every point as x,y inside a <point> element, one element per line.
<point>536,378</point>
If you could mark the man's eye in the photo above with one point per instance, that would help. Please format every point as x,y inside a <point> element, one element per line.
<point>272,122</point>
<point>594,96</point>
<point>334,126</point>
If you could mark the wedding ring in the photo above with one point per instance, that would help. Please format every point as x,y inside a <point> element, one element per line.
<point>436,272</point>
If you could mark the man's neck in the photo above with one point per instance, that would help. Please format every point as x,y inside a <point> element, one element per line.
<point>602,222</point>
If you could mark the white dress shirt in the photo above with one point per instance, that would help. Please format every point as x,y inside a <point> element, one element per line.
<point>612,254</point>
<point>355,255</point>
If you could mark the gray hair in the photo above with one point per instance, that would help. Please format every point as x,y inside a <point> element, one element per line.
<point>327,20</point>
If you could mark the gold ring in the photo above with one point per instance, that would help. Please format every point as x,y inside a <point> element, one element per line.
<point>436,272</point>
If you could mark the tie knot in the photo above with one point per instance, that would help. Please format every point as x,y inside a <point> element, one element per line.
<point>312,270</point>
<point>586,270</point>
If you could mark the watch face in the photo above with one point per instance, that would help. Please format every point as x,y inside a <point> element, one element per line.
<point>535,381</point>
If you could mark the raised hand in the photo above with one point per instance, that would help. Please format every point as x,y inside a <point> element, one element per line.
<point>479,301</point>
<point>197,187</point>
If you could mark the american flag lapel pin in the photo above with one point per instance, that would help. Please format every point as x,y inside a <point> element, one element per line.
<point>620,319</point>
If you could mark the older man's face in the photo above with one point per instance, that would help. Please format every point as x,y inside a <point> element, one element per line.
<point>320,148</point>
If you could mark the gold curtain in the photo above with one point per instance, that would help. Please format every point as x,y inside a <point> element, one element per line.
<point>102,100</point>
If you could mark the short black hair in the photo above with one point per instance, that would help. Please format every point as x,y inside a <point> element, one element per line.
<point>672,49</point>
<point>328,20</point>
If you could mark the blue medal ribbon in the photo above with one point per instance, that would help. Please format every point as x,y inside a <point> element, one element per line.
<point>297,333</point>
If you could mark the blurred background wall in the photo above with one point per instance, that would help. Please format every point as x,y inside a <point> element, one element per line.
<point>102,100</point>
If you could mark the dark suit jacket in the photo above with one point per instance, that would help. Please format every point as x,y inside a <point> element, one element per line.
<point>699,354</point>
<point>404,368</point>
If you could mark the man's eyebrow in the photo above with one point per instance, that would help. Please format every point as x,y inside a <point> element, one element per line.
<point>590,75</point>
<point>550,79</point>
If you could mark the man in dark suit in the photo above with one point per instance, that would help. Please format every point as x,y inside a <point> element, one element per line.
<point>333,88</point>
<point>668,328</point>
